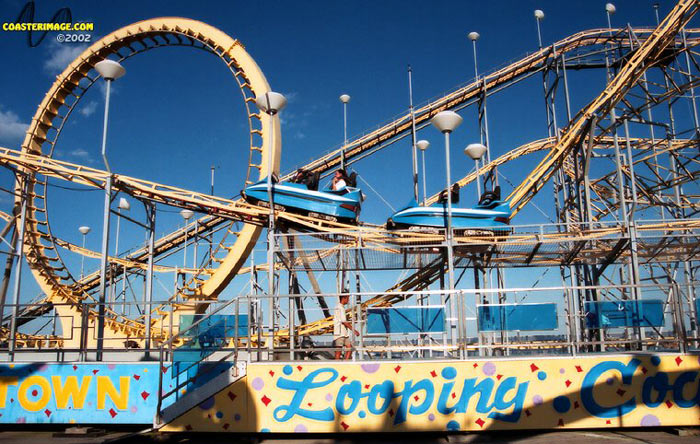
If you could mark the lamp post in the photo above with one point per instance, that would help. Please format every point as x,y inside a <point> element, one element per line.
<point>126,206</point>
<point>423,145</point>
<point>110,71</point>
<point>539,16</point>
<point>84,230</point>
<point>446,122</point>
<point>345,99</point>
<point>187,215</point>
<point>476,151</point>
<point>609,10</point>
<point>474,36</point>
<point>271,103</point>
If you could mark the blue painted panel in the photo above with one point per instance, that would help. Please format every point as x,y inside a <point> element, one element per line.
<point>213,329</point>
<point>609,314</point>
<point>84,393</point>
<point>517,317</point>
<point>405,320</point>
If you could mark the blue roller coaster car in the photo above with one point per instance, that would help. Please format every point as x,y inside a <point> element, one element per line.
<point>303,197</point>
<point>490,215</point>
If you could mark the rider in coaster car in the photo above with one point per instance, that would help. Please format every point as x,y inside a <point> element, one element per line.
<point>339,180</point>
<point>309,179</point>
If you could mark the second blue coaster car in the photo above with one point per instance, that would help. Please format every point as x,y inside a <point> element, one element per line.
<point>343,205</point>
<point>490,215</point>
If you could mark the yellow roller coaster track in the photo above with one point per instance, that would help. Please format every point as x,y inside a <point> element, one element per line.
<point>66,91</point>
<point>48,268</point>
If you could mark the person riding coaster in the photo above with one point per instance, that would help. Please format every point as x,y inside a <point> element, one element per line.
<point>341,203</point>
<point>491,214</point>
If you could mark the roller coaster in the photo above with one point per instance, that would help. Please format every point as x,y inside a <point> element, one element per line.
<point>624,204</point>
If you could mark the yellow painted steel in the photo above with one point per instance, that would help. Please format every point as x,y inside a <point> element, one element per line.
<point>231,52</point>
<point>63,289</point>
<point>647,53</point>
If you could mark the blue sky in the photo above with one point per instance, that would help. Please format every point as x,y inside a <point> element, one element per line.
<point>177,111</point>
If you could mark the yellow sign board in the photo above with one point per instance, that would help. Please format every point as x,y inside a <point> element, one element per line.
<point>403,396</point>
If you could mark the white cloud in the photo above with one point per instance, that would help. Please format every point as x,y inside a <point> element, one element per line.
<point>291,96</point>
<point>89,109</point>
<point>61,56</point>
<point>79,152</point>
<point>11,129</point>
<point>81,156</point>
<point>103,89</point>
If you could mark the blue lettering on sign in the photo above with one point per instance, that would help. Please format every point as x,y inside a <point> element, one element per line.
<point>502,400</point>
<point>414,398</point>
<point>300,388</point>
<point>589,381</point>
<point>655,389</point>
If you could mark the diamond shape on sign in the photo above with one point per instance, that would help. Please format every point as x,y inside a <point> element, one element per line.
<point>299,367</point>
<point>669,404</point>
<point>480,422</point>
<point>561,422</point>
<point>272,373</point>
<point>112,413</point>
<point>75,367</point>
<point>94,372</point>
<point>343,378</point>
<point>310,404</point>
<point>137,377</point>
<point>608,422</point>
<point>453,395</point>
<point>226,426</point>
<point>576,404</point>
<point>678,360</point>
<point>188,427</point>
<point>433,374</point>
<point>579,369</point>
<point>391,412</point>
<point>145,395</point>
<point>397,368</point>
<point>475,365</point>
<point>345,426</point>
<point>499,377</point>
<point>416,398</point>
<point>567,382</point>
<point>366,386</point>
<point>620,392</point>
<point>266,400</point>
<point>534,368</point>
<point>231,395</point>
<point>644,370</point>
<point>527,412</point>
<point>47,412</point>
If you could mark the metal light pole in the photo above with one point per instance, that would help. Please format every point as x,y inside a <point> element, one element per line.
<point>446,122</point>
<point>482,114</point>
<point>474,36</point>
<point>476,152</point>
<point>414,154</point>
<point>345,99</point>
<point>110,71</point>
<point>126,206</point>
<point>609,10</point>
<point>212,180</point>
<point>187,215</point>
<point>84,230</point>
<point>539,16</point>
<point>422,146</point>
<point>271,103</point>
